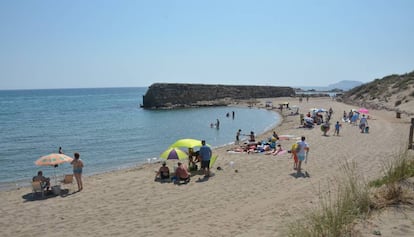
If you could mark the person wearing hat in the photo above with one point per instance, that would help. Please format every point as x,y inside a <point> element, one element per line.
<point>163,172</point>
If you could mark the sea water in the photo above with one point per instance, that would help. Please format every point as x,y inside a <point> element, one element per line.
<point>107,127</point>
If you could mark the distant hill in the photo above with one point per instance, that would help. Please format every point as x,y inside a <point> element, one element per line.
<point>345,85</point>
<point>393,92</point>
<point>342,85</point>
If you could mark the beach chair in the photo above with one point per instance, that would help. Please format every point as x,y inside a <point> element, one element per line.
<point>68,179</point>
<point>37,188</point>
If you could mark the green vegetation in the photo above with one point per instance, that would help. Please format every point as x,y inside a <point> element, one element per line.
<point>337,212</point>
<point>383,88</point>
<point>355,199</point>
<point>395,171</point>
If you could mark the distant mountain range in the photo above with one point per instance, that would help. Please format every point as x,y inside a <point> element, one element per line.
<point>343,85</point>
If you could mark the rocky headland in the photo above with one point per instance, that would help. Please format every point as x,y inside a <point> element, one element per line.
<point>176,95</point>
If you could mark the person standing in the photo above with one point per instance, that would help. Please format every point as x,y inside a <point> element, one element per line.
<point>238,137</point>
<point>302,151</point>
<point>294,156</point>
<point>60,150</point>
<point>205,154</point>
<point>363,123</point>
<point>252,137</point>
<point>77,170</point>
<point>337,127</point>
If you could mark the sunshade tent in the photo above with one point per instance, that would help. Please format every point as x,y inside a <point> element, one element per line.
<point>213,160</point>
<point>174,154</point>
<point>187,142</point>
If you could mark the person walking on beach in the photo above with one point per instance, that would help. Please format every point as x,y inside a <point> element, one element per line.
<point>302,151</point>
<point>337,127</point>
<point>205,154</point>
<point>294,156</point>
<point>77,170</point>
<point>363,122</point>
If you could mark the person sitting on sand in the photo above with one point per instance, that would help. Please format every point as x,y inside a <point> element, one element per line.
<point>277,150</point>
<point>163,172</point>
<point>182,173</point>
<point>44,182</point>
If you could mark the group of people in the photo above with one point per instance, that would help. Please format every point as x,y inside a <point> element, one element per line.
<point>182,171</point>
<point>251,137</point>
<point>77,164</point>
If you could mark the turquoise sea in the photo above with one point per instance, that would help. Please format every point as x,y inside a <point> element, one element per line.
<point>107,127</point>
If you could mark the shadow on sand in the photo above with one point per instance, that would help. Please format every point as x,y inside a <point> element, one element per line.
<point>48,194</point>
<point>300,174</point>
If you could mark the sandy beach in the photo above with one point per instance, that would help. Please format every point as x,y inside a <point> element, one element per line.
<point>262,199</point>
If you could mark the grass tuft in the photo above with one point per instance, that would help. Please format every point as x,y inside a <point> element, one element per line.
<point>337,211</point>
<point>355,199</point>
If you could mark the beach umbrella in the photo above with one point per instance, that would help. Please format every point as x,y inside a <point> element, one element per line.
<point>174,154</point>
<point>187,142</point>
<point>363,111</point>
<point>53,159</point>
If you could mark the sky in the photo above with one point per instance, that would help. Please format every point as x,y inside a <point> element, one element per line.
<point>100,43</point>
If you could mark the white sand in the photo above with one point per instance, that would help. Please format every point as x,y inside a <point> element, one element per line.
<point>261,199</point>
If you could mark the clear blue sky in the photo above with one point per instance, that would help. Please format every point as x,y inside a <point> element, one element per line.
<point>72,44</point>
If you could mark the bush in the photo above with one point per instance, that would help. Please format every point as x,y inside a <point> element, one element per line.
<point>398,102</point>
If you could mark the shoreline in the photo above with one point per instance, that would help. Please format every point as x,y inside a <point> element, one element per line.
<point>261,199</point>
<point>24,183</point>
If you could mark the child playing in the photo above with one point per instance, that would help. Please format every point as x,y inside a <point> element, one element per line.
<point>294,156</point>
<point>337,127</point>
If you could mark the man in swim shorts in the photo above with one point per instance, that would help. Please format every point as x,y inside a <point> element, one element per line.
<point>205,154</point>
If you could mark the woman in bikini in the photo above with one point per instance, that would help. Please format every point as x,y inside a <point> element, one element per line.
<point>77,170</point>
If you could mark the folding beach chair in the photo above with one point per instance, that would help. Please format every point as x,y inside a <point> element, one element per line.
<point>37,188</point>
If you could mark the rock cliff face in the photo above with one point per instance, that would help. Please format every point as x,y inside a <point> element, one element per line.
<point>174,95</point>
